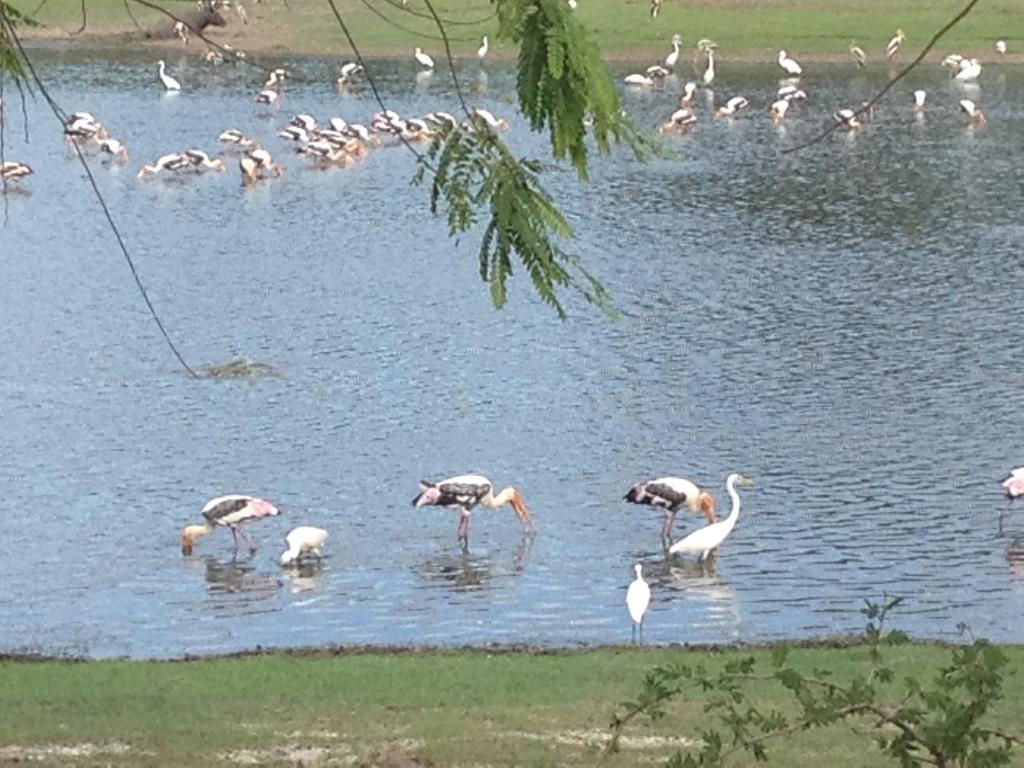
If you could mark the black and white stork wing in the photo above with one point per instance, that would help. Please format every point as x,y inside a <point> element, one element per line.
<point>226,510</point>
<point>462,494</point>
<point>668,492</point>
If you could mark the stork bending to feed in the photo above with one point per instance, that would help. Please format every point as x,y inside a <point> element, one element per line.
<point>303,540</point>
<point>702,542</point>
<point>464,492</point>
<point>231,511</point>
<point>1014,488</point>
<point>671,494</point>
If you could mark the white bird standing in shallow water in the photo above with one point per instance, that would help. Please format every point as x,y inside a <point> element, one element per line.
<point>711,536</point>
<point>973,111</point>
<point>303,540</point>
<point>464,492</point>
<point>791,67</point>
<point>709,73</point>
<point>638,597</point>
<point>671,494</point>
<point>673,57</point>
<point>170,84</point>
<point>919,97</point>
<point>482,50</point>
<point>422,58</point>
<point>231,511</point>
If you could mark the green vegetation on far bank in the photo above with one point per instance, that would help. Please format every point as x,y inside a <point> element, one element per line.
<point>743,28</point>
<point>448,707</point>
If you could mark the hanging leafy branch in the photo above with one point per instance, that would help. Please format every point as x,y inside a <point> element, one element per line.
<point>563,83</point>
<point>474,171</point>
<point>937,722</point>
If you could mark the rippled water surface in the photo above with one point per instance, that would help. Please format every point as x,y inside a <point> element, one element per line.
<point>843,324</point>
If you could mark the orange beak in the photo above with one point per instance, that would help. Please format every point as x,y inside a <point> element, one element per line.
<point>522,512</point>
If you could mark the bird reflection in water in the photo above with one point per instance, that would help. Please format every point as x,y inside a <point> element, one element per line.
<point>307,576</point>
<point>236,576</point>
<point>464,572</point>
<point>1015,557</point>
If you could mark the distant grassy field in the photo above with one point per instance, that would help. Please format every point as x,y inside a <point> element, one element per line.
<point>749,29</point>
<point>452,708</point>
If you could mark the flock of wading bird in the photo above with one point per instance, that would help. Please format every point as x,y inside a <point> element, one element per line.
<point>340,144</point>
<point>962,69</point>
<point>463,493</point>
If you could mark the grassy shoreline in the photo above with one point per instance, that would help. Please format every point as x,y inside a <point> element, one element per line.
<point>348,706</point>
<point>747,30</point>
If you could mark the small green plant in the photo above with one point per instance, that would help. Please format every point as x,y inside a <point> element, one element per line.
<point>938,722</point>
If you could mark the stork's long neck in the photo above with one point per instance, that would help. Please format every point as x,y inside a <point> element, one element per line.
<point>500,500</point>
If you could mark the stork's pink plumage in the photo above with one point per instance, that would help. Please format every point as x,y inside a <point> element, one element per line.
<point>1014,484</point>
<point>464,492</point>
<point>231,511</point>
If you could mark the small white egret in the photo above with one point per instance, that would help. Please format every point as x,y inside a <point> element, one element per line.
<point>482,50</point>
<point>702,541</point>
<point>638,597</point>
<point>673,57</point>
<point>919,97</point>
<point>424,61</point>
<point>791,67</point>
<point>170,84</point>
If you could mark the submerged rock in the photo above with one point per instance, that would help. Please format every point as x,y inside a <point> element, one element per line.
<point>239,368</point>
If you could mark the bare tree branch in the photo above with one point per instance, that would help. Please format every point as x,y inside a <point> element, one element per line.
<point>870,104</point>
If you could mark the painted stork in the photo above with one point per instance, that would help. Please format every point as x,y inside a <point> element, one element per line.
<point>687,97</point>
<point>778,110</point>
<point>638,597</point>
<point>642,81</point>
<point>792,93</point>
<point>464,492</point>
<point>303,540</point>
<point>973,111</point>
<point>732,106</point>
<point>858,54</point>
<point>230,511</point>
<point>708,538</point>
<point>673,57</point>
<point>919,97</point>
<point>267,96</point>
<point>201,160</point>
<point>115,149</point>
<point>679,121</point>
<point>893,48</point>
<point>791,67</point>
<point>1013,486</point>
<point>494,123</point>
<point>671,494</point>
<point>846,118</point>
<point>422,59</point>
<point>235,136</point>
<point>170,84</point>
<point>171,162</point>
<point>482,50</point>
<point>11,171</point>
<point>969,69</point>
<point>655,8</point>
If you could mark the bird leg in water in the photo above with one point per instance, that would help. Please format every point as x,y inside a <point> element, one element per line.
<point>666,526</point>
<point>463,533</point>
<point>234,535</point>
<point>249,541</point>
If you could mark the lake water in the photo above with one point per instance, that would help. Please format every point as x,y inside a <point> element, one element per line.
<point>843,324</point>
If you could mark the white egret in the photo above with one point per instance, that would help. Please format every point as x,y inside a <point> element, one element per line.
<point>709,73</point>
<point>170,84</point>
<point>702,541</point>
<point>673,57</point>
<point>919,97</point>
<point>482,50</point>
<point>424,61</point>
<point>638,597</point>
<point>791,67</point>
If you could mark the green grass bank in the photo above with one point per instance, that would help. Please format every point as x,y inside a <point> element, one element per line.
<point>747,29</point>
<point>451,708</point>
